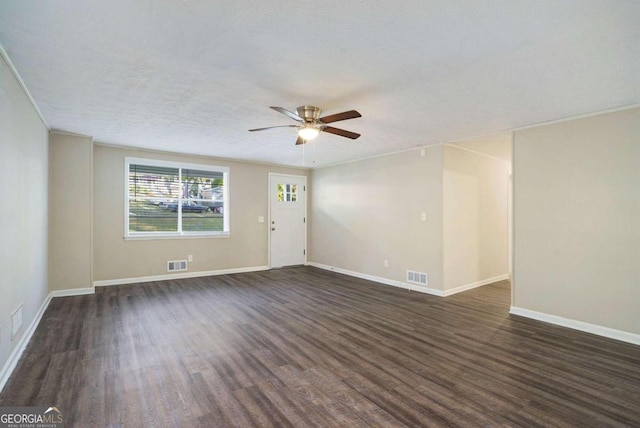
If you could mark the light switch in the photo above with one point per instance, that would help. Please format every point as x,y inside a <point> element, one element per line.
<point>423,216</point>
<point>261,219</point>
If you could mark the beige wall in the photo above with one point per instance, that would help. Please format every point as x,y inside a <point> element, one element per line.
<point>70,211</point>
<point>23,211</point>
<point>475,225</point>
<point>365,212</point>
<point>577,213</point>
<point>115,258</point>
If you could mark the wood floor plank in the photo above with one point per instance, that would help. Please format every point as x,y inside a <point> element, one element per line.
<point>306,347</point>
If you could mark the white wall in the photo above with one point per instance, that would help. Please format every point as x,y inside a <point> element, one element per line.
<point>23,210</point>
<point>475,233</point>
<point>577,220</point>
<point>365,212</point>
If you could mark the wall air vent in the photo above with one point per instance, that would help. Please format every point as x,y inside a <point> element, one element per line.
<point>419,278</point>
<point>176,265</point>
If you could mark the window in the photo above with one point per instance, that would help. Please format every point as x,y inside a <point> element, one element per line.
<point>287,192</point>
<point>169,199</point>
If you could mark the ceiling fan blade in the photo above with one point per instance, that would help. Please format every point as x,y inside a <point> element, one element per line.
<point>351,114</point>
<point>300,140</point>
<point>286,112</point>
<point>340,132</point>
<point>271,127</point>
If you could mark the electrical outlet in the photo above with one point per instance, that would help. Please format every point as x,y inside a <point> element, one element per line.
<point>261,219</point>
<point>422,152</point>
<point>423,216</point>
<point>190,258</point>
<point>386,263</point>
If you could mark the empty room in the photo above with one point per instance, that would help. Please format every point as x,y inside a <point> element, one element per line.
<point>319,214</point>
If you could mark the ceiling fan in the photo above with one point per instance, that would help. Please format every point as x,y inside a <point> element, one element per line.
<point>311,124</point>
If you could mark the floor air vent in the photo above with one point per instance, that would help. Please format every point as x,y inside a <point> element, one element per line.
<point>419,278</point>
<point>176,265</point>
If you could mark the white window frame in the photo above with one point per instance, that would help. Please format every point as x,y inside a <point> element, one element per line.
<point>128,235</point>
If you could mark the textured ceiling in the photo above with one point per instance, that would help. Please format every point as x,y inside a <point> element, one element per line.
<point>193,76</point>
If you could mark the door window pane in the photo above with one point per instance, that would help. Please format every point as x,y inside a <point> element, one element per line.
<point>287,192</point>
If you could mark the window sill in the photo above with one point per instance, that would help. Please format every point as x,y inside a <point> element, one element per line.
<point>177,236</point>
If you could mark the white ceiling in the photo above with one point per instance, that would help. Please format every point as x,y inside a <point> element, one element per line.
<point>193,76</point>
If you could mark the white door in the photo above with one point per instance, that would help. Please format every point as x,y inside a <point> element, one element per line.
<point>287,220</point>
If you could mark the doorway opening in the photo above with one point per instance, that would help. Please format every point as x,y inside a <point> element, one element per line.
<point>477,198</point>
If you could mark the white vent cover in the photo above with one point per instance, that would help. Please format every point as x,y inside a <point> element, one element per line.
<point>419,278</point>
<point>176,265</point>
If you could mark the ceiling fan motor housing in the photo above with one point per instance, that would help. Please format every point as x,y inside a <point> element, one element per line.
<point>310,114</point>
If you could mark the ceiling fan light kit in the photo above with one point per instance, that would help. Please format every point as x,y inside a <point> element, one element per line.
<point>311,124</point>
<point>308,132</point>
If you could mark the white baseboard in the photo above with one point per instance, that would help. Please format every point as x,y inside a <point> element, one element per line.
<point>15,355</point>
<point>379,279</point>
<point>73,292</point>
<point>107,282</point>
<point>472,285</point>
<point>578,325</point>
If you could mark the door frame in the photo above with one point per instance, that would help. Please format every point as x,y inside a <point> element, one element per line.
<point>306,214</point>
<point>511,220</point>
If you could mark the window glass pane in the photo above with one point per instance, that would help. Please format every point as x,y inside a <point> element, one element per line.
<point>153,182</point>
<point>202,185</point>
<point>152,191</point>
<point>145,216</point>
<point>203,205</point>
<point>208,221</point>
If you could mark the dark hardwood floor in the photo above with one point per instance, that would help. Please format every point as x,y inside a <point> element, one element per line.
<point>305,347</point>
